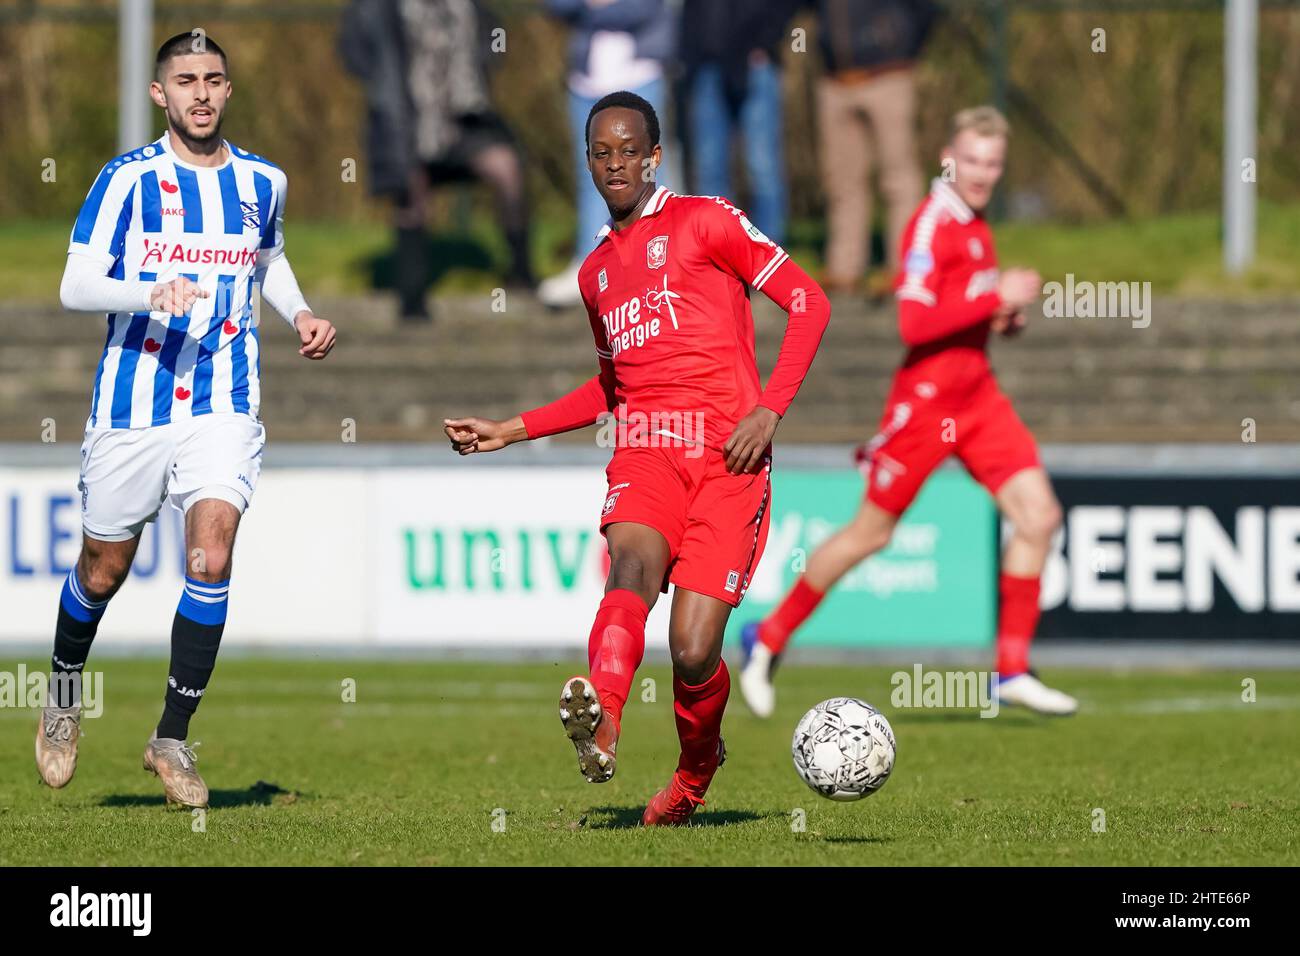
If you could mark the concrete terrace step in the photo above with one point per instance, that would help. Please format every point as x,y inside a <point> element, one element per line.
<point>1193,374</point>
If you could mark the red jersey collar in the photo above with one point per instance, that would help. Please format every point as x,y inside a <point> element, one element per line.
<point>652,207</point>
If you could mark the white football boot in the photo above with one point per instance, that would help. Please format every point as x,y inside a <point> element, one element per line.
<point>1026,690</point>
<point>57,732</point>
<point>756,674</point>
<point>175,764</point>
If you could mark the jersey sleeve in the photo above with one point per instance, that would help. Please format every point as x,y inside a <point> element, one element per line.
<point>736,245</point>
<point>272,218</point>
<point>925,315</point>
<point>100,230</point>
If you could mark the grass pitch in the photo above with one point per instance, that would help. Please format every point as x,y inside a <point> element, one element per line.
<point>432,754</point>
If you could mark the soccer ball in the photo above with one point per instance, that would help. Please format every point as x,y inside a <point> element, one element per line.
<point>843,748</point>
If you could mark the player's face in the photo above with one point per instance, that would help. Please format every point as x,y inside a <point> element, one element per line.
<point>193,91</point>
<point>977,162</point>
<point>621,159</point>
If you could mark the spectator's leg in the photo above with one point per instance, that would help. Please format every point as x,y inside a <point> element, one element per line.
<point>592,211</point>
<point>891,103</point>
<point>499,166</point>
<point>846,167</point>
<point>763,124</point>
<point>710,132</point>
<point>412,272</point>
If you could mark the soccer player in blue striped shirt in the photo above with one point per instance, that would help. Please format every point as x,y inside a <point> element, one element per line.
<point>169,243</point>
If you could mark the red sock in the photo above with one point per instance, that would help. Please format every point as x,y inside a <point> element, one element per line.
<point>615,648</point>
<point>699,725</point>
<point>776,628</point>
<point>1017,621</point>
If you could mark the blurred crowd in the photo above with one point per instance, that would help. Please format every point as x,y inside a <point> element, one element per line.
<point>713,71</point>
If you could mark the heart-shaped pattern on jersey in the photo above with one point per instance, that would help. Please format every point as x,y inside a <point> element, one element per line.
<point>229,327</point>
<point>152,345</point>
<point>182,392</point>
<point>168,187</point>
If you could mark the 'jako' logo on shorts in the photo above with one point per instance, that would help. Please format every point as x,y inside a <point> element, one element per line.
<point>733,581</point>
<point>609,503</point>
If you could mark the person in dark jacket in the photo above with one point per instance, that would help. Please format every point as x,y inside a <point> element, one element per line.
<point>866,115</point>
<point>431,122</point>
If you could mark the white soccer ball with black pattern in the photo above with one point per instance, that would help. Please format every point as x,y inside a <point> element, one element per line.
<point>844,749</point>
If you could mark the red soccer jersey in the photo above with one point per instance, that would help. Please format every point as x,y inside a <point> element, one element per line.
<point>668,300</point>
<point>947,296</point>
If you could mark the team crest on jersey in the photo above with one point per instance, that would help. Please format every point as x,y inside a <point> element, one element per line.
<point>252,218</point>
<point>656,252</point>
<point>976,248</point>
<point>610,502</point>
<point>602,280</point>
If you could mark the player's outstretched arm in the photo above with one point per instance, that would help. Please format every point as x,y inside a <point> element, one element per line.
<point>583,406</point>
<point>470,435</point>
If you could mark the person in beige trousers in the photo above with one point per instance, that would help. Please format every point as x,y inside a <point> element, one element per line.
<point>866,115</point>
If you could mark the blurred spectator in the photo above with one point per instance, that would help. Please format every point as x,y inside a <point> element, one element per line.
<point>431,122</point>
<point>613,45</point>
<point>731,52</point>
<point>866,110</point>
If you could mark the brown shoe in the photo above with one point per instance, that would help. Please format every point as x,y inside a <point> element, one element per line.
<point>594,735</point>
<point>174,763</point>
<point>57,733</point>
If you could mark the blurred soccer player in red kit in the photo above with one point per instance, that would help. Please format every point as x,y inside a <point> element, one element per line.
<point>945,400</point>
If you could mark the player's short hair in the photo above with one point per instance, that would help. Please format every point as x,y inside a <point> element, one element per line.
<point>983,120</point>
<point>627,100</point>
<point>183,44</point>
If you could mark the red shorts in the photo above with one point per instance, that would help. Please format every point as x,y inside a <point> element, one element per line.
<point>916,436</point>
<point>715,522</point>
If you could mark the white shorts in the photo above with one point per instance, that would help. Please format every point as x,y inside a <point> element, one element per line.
<point>128,473</point>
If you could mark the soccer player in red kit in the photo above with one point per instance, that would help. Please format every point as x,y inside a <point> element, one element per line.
<point>689,498</point>
<point>945,400</point>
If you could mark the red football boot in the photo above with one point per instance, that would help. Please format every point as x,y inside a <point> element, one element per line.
<point>673,805</point>
<point>593,732</point>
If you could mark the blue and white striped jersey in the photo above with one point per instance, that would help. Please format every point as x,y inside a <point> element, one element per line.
<point>152,217</point>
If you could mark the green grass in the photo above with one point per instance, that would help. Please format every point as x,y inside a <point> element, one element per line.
<point>1177,254</point>
<point>412,772</point>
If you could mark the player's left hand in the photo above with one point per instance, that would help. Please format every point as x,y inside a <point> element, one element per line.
<point>1010,324</point>
<point>753,433</point>
<point>317,335</point>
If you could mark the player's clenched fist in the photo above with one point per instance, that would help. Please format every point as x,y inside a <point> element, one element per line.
<point>316,334</point>
<point>176,296</point>
<point>1017,288</point>
<point>469,435</point>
